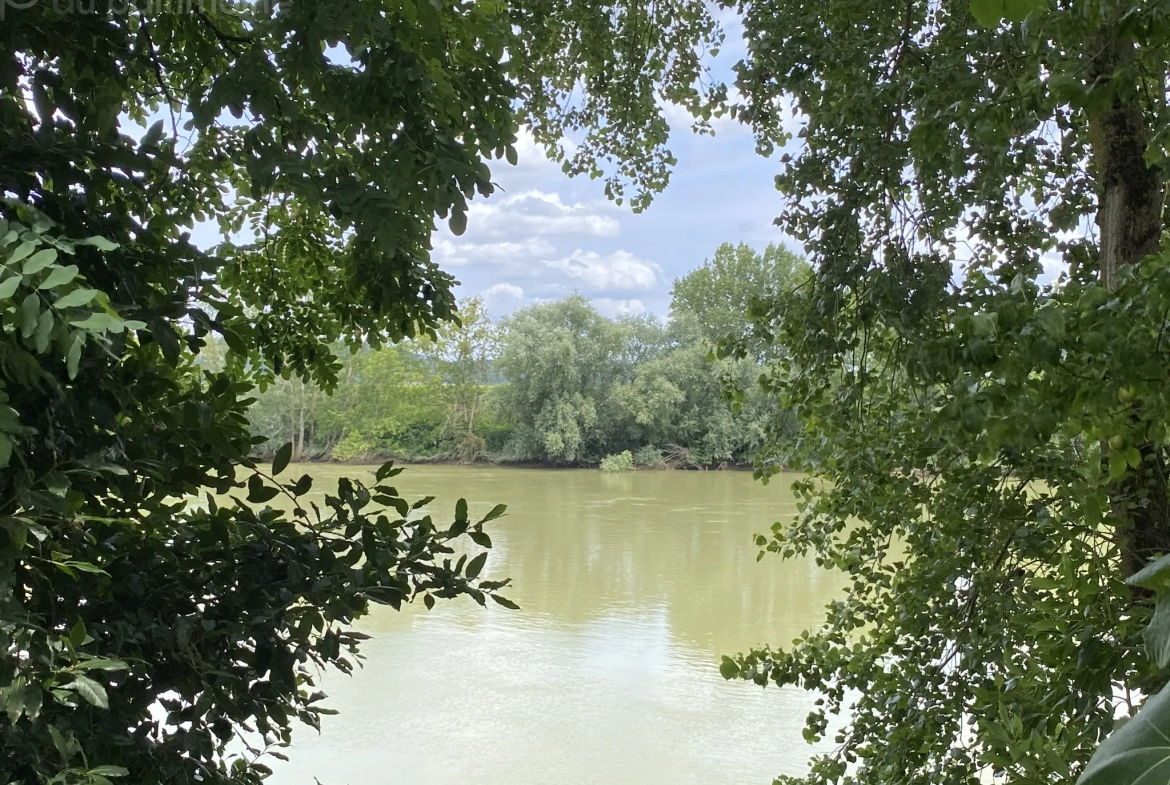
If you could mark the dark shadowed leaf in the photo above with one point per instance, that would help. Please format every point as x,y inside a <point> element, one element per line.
<point>283,456</point>
<point>505,602</point>
<point>475,566</point>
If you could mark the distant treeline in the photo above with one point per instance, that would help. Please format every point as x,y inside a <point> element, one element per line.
<point>554,383</point>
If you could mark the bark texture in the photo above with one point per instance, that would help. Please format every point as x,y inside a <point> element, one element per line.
<point>1129,219</point>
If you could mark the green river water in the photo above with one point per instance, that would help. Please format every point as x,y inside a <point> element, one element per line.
<point>631,586</point>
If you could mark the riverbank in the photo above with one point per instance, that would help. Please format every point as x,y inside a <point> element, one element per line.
<point>511,464</point>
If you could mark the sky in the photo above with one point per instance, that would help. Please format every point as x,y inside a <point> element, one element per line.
<point>544,235</point>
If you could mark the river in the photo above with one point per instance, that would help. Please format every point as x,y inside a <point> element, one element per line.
<point>631,586</point>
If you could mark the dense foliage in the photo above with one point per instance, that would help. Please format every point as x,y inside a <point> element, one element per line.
<point>556,382</point>
<point>139,634</point>
<point>979,373</point>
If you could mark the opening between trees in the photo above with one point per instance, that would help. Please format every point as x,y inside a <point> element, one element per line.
<point>555,383</point>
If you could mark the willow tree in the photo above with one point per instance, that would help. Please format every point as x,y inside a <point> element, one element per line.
<point>139,634</point>
<point>980,369</point>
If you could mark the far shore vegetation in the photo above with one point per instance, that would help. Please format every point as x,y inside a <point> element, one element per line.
<point>554,384</point>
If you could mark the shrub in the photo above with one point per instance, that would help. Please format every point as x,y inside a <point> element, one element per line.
<point>650,457</point>
<point>353,447</point>
<point>618,462</point>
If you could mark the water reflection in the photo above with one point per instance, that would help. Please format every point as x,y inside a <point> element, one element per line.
<point>631,586</point>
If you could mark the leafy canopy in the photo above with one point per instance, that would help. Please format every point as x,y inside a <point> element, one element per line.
<point>323,140</point>
<point>978,370</point>
<point>720,292</point>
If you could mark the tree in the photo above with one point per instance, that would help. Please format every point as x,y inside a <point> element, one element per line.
<point>719,292</point>
<point>676,399</point>
<point>465,352</point>
<point>323,138</point>
<point>987,442</point>
<point>287,413</point>
<point>389,403</point>
<point>561,361</point>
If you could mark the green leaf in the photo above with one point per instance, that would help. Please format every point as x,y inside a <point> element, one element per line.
<point>1154,576</point>
<point>13,696</point>
<point>988,12</point>
<point>33,699</point>
<point>235,342</point>
<point>66,745</point>
<point>505,602</point>
<point>75,298</point>
<point>93,693</point>
<point>262,493</point>
<point>101,243</point>
<point>22,250</point>
<point>458,221</point>
<point>152,135</point>
<point>1139,752</point>
<point>1018,10</point>
<point>43,332</point>
<point>59,277</point>
<point>481,539</point>
<point>39,261</point>
<point>283,456</point>
<point>30,311</point>
<point>109,771</point>
<point>73,356</point>
<point>82,566</point>
<point>77,634</point>
<point>5,449</point>
<point>461,511</point>
<point>510,154</point>
<point>496,512</point>
<point>57,483</point>
<point>302,486</point>
<point>475,566</point>
<point>99,322</point>
<point>101,664</point>
<point>1157,633</point>
<point>9,286</point>
<point>728,668</point>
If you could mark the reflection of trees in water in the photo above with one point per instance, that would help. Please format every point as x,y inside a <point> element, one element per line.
<point>583,545</point>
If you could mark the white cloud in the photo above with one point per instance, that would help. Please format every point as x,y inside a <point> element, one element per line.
<point>618,271</point>
<point>452,252</point>
<point>531,158</point>
<point>507,290</point>
<point>502,299</point>
<point>611,308</point>
<point>536,212</point>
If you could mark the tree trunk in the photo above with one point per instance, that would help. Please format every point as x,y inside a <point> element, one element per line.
<point>1129,219</point>
<point>298,452</point>
<point>312,418</point>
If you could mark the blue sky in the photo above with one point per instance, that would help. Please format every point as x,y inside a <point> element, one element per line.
<point>544,235</point>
